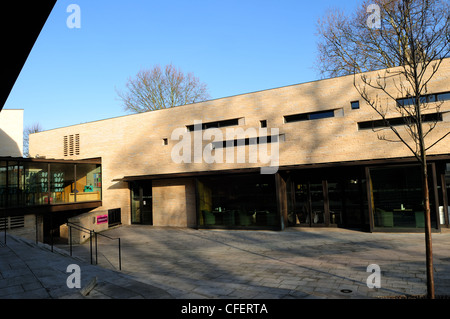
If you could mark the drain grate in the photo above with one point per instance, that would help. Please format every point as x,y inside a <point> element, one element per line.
<point>346,291</point>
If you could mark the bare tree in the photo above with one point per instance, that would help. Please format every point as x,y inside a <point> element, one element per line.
<point>158,88</point>
<point>406,45</point>
<point>33,128</point>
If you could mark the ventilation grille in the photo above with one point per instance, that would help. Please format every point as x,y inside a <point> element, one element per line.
<point>72,145</point>
<point>12,222</point>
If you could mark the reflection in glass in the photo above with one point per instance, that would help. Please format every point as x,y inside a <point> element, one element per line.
<point>15,184</point>
<point>326,197</point>
<point>62,183</point>
<point>336,201</point>
<point>36,183</point>
<point>135,204</point>
<point>317,208</point>
<point>29,183</point>
<point>237,201</point>
<point>346,204</point>
<point>302,211</point>
<point>308,204</point>
<point>397,198</point>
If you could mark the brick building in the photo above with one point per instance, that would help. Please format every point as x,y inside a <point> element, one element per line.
<point>300,155</point>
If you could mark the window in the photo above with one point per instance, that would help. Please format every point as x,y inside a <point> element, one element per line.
<point>405,101</point>
<point>308,116</point>
<point>165,141</point>
<point>30,183</point>
<point>434,117</point>
<point>88,183</point>
<point>355,105</point>
<point>249,141</point>
<point>321,115</point>
<point>396,194</point>
<point>443,96</point>
<point>440,97</point>
<point>237,201</point>
<point>62,183</point>
<point>72,145</point>
<point>217,124</point>
<point>263,123</point>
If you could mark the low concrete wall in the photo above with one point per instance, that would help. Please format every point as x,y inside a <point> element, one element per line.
<point>28,231</point>
<point>96,221</point>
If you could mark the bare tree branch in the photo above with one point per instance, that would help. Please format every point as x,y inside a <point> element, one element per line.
<point>410,45</point>
<point>33,128</point>
<point>159,88</point>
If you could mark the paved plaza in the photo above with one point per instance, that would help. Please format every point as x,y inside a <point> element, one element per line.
<point>295,263</point>
<point>182,263</point>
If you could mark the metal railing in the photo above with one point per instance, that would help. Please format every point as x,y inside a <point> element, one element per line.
<point>82,229</point>
<point>92,234</point>
<point>96,248</point>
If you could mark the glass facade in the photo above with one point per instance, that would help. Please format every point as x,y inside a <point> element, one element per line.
<point>36,184</point>
<point>445,215</point>
<point>364,197</point>
<point>29,183</point>
<point>15,183</point>
<point>62,183</point>
<point>327,198</point>
<point>237,201</point>
<point>3,183</point>
<point>88,183</point>
<point>397,199</point>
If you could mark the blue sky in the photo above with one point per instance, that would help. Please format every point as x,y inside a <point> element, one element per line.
<point>235,47</point>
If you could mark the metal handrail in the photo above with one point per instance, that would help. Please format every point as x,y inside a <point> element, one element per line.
<point>112,238</point>
<point>93,233</point>
<point>79,226</point>
<point>83,229</point>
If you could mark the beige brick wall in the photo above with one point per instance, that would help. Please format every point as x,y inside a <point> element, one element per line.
<point>11,133</point>
<point>133,144</point>
<point>174,203</point>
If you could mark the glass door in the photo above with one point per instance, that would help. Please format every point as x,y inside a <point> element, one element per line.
<point>309,209</point>
<point>141,203</point>
<point>135,204</point>
<point>302,210</point>
<point>336,201</point>
<point>316,191</point>
<point>146,205</point>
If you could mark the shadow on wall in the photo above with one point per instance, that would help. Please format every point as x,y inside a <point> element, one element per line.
<point>8,146</point>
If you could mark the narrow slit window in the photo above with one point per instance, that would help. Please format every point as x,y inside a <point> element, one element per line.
<point>217,124</point>
<point>308,116</point>
<point>398,121</point>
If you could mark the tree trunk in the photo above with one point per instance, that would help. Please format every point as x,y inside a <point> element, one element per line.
<point>428,245</point>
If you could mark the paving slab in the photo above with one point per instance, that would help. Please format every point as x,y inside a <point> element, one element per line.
<point>183,263</point>
<point>32,270</point>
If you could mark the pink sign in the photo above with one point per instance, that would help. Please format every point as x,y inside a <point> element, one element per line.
<point>101,219</point>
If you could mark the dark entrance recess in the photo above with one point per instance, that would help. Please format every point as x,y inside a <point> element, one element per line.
<point>114,217</point>
<point>141,203</point>
<point>52,222</point>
